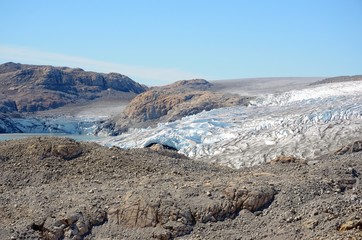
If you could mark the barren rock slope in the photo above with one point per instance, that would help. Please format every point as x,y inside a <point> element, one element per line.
<point>30,88</point>
<point>172,102</point>
<point>339,79</point>
<point>55,188</point>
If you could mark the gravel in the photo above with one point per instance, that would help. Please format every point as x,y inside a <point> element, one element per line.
<point>45,194</point>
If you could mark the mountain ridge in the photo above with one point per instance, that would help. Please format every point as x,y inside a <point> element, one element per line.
<point>32,88</point>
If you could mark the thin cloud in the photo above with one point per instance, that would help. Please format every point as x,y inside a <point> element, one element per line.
<point>147,75</point>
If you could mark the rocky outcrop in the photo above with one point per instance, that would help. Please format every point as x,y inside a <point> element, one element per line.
<point>30,88</point>
<point>75,226</point>
<point>66,149</point>
<point>287,159</point>
<point>178,210</point>
<point>194,84</point>
<point>172,214</point>
<point>8,106</point>
<point>173,102</point>
<point>7,125</point>
<point>350,148</point>
<point>352,224</point>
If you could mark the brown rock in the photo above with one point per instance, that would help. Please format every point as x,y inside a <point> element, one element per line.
<point>310,223</point>
<point>353,224</point>
<point>50,199</point>
<point>157,147</point>
<point>195,84</point>
<point>171,103</point>
<point>66,149</point>
<point>148,209</point>
<point>30,88</point>
<point>351,148</point>
<point>286,159</point>
<point>257,198</point>
<point>76,226</point>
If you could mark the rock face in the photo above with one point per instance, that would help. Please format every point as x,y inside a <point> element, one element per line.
<point>7,125</point>
<point>181,209</point>
<point>172,102</point>
<point>30,88</point>
<point>73,226</point>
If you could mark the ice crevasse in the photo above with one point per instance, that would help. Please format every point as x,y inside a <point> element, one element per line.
<point>304,123</point>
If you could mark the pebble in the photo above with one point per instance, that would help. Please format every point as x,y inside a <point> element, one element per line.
<point>353,198</point>
<point>257,213</point>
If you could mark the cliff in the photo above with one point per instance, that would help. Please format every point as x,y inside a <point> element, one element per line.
<point>31,88</point>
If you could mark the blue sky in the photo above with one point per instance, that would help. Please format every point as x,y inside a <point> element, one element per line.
<point>157,41</point>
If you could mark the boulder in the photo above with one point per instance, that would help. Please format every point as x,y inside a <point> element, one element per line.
<point>352,224</point>
<point>287,159</point>
<point>350,148</point>
<point>74,226</point>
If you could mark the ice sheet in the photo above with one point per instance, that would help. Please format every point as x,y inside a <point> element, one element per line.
<point>304,123</point>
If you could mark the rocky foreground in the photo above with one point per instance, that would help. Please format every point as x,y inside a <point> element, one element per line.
<point>53,188</point>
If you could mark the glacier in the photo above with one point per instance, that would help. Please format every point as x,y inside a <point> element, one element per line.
<point>305,123</point>
<point>59,124</point>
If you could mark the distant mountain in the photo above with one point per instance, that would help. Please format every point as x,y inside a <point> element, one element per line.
<point>31,88</point>
<point>193,84</point>
<point>339,79</point>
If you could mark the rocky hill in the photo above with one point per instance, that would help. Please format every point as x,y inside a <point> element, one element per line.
<point>194,84</point>
<point>172,102</point>
<point>339,79</point>
<point>31,88</point>
<point>53,188</point>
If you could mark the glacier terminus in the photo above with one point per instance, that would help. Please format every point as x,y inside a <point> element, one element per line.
<point>305,123</point>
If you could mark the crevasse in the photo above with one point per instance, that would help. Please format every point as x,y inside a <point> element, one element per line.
<point>304,123</point>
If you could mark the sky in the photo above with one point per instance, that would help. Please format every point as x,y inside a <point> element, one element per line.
<point>156,42</point>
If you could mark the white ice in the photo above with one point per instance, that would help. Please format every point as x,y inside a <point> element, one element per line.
<point>67,125</point>
<point>304,123</point>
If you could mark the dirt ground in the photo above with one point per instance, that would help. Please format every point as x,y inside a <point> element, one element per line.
<point>54,188</point>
